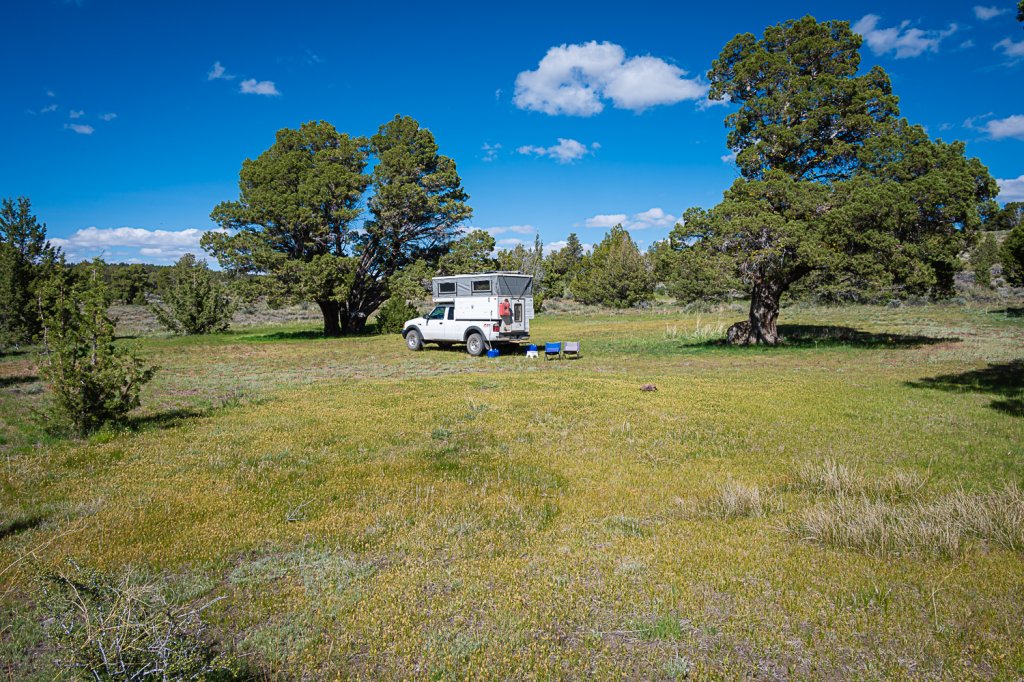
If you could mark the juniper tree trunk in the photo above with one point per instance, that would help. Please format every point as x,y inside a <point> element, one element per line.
<point>330,311</point>
<point>764,314</point>
<point>761,326</point>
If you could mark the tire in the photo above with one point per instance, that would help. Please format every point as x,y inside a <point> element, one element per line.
<point>414,340</point>
<point>475,345</point>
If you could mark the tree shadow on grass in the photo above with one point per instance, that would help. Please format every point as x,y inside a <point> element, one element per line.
<point>296,335</point>
<point>815,335</point>
<point>6,382</point>
<point>1005,380</point>
<point>164,420</point>
<point>1008,312</point>
<point>21,524</point>
<point>829,336</point>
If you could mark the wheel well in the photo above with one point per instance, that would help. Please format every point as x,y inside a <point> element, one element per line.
<point>474,330</point>
<point>406,331</point>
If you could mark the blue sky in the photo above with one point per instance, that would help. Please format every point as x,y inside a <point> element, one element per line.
<point>126,122</point>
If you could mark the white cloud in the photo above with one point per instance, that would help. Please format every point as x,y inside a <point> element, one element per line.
<point>79,128</point>
<point>124,243</point>
<point>605,220</point>
<point>652,217</point>
<point>904,41</point>
<point>511,242</point>
<point>576,79</point>
<point>728,158</point>
<point>967,44</point>
<point>51,93</point>
<point>252,86</point>
<point>218,73</point>
<point>490,151</point>
<point>48,108</point>
<point>76,114</point>
<point>969,122</point>
<point>986,13</point>
<point>566,151</point>
<point>1011,189</point>
<point>1011,126</point>
<point>508,229</point>
<point>1010,48</point>
<point>108,117</point>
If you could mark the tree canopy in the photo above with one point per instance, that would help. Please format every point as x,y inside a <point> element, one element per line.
<point>615,273</point>
<point>24,253</point>
<point>803,109</point>
<point>474,252</point>
<point>562,266</point>
<point>1008,217</point>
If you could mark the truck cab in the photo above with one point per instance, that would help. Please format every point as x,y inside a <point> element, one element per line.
<point>481,310</point>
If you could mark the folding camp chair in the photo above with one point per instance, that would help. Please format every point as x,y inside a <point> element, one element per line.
<point>571,349</point>
<point>553,350</point>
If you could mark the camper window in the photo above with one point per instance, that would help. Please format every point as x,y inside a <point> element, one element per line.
<point>446,288</point>
<point>481,286</point>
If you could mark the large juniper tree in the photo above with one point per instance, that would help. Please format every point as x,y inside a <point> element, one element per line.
<point>834,184</point>
<point>293,220</point>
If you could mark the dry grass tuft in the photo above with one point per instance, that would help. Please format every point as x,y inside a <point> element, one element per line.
<point>942,526</point>
<point>901,485</point>
<point>733,500</point>
<point>830,478</point>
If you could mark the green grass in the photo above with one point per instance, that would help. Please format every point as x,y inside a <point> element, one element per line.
<point>371,512</point>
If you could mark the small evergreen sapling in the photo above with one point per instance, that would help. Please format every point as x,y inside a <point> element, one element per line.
<point>93,381</point>
<point>194,301</point>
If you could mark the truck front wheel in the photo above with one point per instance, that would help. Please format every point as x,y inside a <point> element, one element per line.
<point>414,340</point>
<point>475,344</point>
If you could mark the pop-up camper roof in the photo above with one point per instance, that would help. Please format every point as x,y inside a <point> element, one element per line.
<point>510,284</point>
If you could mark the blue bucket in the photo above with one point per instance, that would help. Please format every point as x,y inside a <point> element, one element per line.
<point>532,346</point>
<point>492,353</point>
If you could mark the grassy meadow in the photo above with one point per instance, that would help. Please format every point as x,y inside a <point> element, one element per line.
<point>849,505</point>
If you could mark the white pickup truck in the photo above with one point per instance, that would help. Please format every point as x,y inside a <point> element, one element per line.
<point>481,310</point>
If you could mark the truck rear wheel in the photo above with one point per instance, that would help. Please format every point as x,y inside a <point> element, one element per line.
<point>475,344</point>
<point>414,340</point>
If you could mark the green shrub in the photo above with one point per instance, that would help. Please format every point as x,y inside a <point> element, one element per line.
<point>194,302</point>
<point>93,381</point>
<point>393,314</point>
<point>1012,256</point>
<point>105,629</point>
<point>983,257</point>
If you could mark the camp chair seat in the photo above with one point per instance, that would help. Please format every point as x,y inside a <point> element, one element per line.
<point>553,350</point>
<point>571,349</point>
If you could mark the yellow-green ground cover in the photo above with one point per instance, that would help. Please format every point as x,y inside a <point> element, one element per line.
<point>371,512</point>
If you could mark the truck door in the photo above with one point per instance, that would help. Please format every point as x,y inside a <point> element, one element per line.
<point>452,329</point>
<point>434,325</point>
